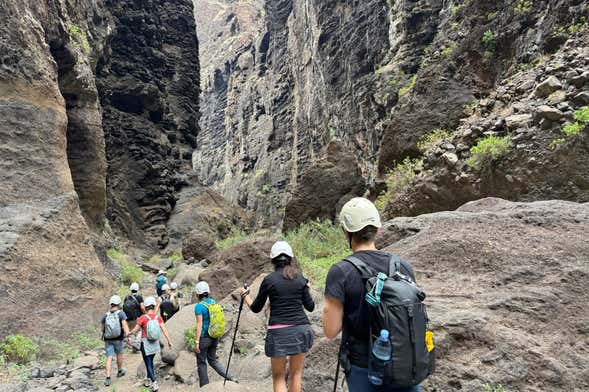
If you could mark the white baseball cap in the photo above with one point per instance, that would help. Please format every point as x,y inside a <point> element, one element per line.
<point>165,287</point>
<point>161,272</point>
<point>202,287</point>
<point>281,248</point>
<point>173,285</point>
<point>134,286</point>
<point>149,301</point>
<point>115,300</point>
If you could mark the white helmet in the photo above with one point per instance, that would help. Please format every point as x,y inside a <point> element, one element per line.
<point>202,287</point>
<point>165,287</point>
<point>149,301</point>
<point>281,248</point>
<point>134,286</point>
<point>359,213</point>
<point>115,300</point>
<point>173,285</point>
<point>161,272</point>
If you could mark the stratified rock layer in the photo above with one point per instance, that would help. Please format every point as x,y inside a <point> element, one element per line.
<point>48,267</point>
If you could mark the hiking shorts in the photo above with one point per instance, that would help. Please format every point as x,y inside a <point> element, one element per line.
<point>113,347</point>
<point>294,340</point>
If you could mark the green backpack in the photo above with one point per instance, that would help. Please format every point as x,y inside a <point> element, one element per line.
<point>216,320</point>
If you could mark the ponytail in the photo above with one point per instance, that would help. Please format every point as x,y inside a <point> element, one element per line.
<point>283,261</point>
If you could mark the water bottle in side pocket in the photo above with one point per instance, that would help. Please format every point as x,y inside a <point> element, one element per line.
<point>381,354</point>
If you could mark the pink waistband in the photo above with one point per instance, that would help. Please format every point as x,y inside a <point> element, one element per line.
<point>279,326</point>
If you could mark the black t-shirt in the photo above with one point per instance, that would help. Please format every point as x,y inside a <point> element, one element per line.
<point>344,283</point>
<point>287,299</point>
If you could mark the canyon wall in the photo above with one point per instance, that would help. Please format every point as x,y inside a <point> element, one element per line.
<point>99,115</point>
<point>285,78</point>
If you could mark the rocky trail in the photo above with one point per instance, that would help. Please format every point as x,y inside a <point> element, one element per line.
<point>189,135</point>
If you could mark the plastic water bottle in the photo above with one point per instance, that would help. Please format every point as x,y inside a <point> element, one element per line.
<point>381,353</point>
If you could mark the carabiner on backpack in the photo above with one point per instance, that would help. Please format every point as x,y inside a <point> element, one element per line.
<point>373,296</point>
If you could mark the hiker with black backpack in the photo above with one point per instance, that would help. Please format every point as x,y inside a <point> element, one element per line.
<point>372,298</point>
<point>210,326</point>
<point>114,330</point>
<point>133,305</point>
<point>152,326</point>
<point>166,304</point>
<point>289,335</point>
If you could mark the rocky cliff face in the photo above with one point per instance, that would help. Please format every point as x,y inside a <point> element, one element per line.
<point>98,101</point>
<point>148,81</point>
<point>288,77</point>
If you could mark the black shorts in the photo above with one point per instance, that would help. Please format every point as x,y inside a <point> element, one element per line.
<point>293,340</point>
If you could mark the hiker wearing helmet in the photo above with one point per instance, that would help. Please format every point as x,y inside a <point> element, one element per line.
<point>114,330</point>
<point>345,307</point>
<point>207,312</point>
<point>160,281</point>
<point>289,331</point>
<point>151,326</point>
<point>166,304</point>
<point>133,305</point>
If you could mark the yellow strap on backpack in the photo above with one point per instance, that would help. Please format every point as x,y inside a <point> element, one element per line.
<point>429,341</point>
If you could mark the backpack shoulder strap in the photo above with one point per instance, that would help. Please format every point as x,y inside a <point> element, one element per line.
<point>394,264</point>
<point>365,271</point>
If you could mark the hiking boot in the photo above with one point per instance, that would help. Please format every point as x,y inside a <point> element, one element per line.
<point>107,382</point>
<point>121,372</point>
<point>154,386</point>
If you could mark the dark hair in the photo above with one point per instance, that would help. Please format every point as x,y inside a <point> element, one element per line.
<point>284,261</point>
<point>367,234</point>
<point>203,295</point>
<point>150,307</point>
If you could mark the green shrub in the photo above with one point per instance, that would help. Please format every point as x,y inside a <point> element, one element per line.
<point>237,235</point>
<point>488,41</point>
<point>432,140</point>
<point>491,16</point>
<point>408,87</point>
<point>90,340</point>
<point>19,349</point>
<point>447,52</point>
<point>116,254</point>
<point>523,6</point>
<point>494,388</point>
<point>456,8</point>
<point>582,120</point>
<point>318,245</point>
<point>190,338</point>
<point>396,179</point>
<point>130,273</point>
<point>54,350</point>
<point>582,115</point>
<point>176,256</point>
<point>80,38</point>
<point>487,150</point>
<point>454,25</point>
<point>572,130</point>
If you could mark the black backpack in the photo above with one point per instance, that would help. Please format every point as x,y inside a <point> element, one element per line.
<point>396,304</point>
<point>131,307</point>
<point>167,308</point>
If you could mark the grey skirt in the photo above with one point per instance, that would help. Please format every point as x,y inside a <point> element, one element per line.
<point>287,341</point>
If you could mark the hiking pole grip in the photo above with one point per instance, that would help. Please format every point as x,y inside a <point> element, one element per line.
<point>235,333</point>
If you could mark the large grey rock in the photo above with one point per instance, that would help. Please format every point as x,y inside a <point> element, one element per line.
<point>548,113</point>
<point>198,245</point>
<point>547,87</point>
<point>185,368</point>
<point>507,274</point>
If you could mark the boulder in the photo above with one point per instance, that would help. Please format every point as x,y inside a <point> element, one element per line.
<point>177,326</point>
<point>88,361</point>
<point>548,113</point>
<point>188,274</point>
<point>185,368</point>
<point>547,87</point>
<point>518,121</point>
<point>241,263</point>
<point>506,291</point>
<point>199,244</point>
<point>582,98</point>
<point>450,158</point>
<point>321,186</point>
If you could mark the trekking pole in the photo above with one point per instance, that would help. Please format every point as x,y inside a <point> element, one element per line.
<point>235,333</point>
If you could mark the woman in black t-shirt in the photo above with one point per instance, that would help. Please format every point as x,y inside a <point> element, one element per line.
<point>289,331</point>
